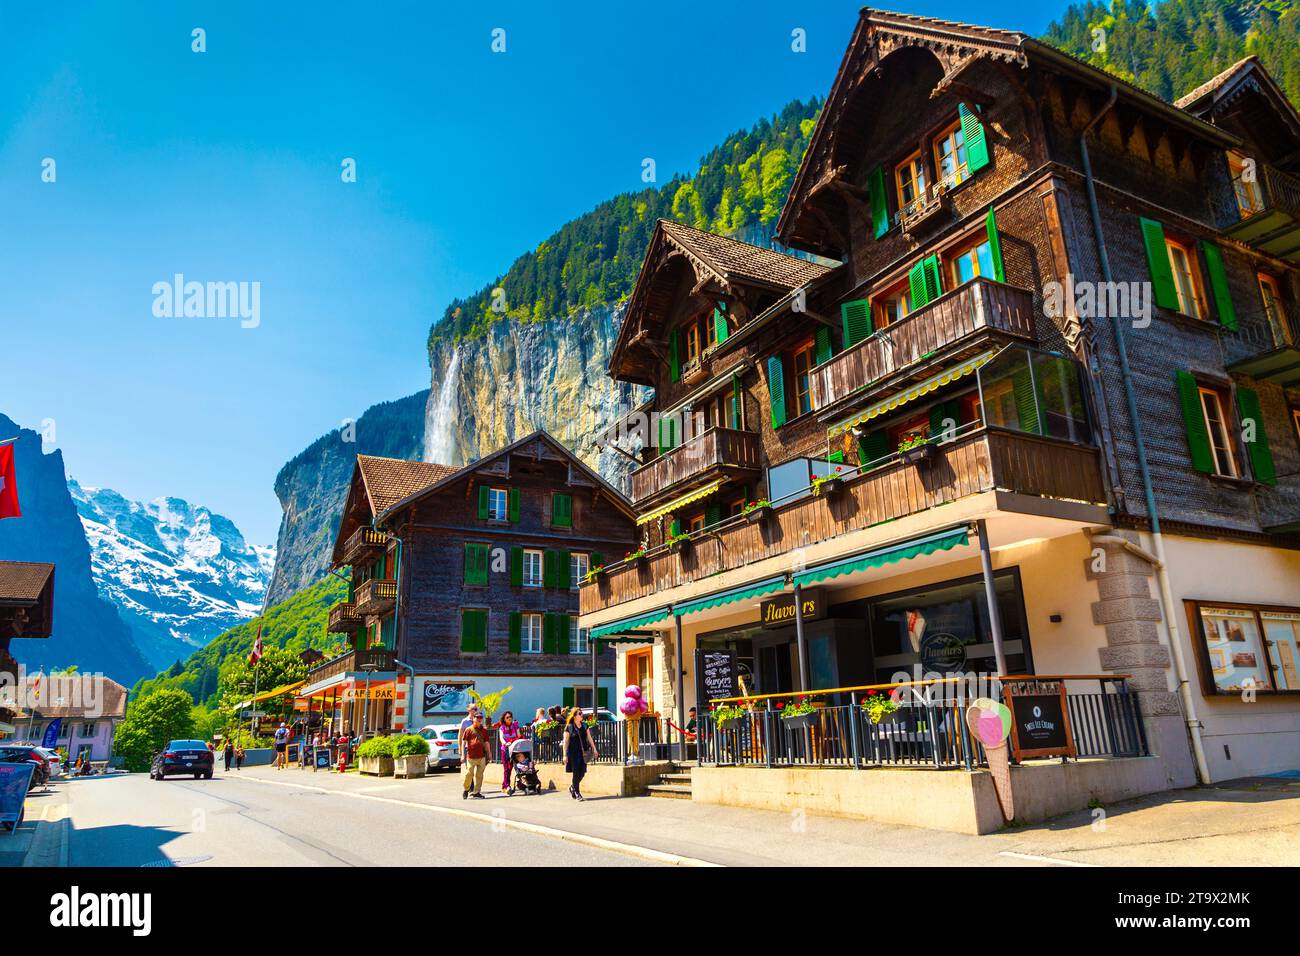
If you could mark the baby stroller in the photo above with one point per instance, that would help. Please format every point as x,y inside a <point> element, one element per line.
<point>525,774</point>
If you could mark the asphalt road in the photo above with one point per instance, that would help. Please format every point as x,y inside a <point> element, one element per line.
<point>130,820</point>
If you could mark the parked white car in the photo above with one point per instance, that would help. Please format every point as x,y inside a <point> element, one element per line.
<point>444,745</point>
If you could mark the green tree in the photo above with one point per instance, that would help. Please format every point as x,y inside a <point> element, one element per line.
<point>150,724</point>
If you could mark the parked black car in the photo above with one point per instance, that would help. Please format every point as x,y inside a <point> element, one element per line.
<point>182,756</point>
<point>22,753</point>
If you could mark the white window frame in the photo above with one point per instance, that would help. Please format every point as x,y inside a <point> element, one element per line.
<point>579,565</point>
<point>579,637</point>
<point>88,729</point>
<point>1220,432</point>
<point>530,633</point>
<point>498,504</point>
<point>529,555</point>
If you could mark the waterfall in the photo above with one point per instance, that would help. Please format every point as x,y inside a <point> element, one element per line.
<point>439,417</point>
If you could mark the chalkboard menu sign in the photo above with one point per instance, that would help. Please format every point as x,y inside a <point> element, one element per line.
<point>1040,722</point>
<point>15,778</point>
<point>716,674</point>
<point>322,758</point>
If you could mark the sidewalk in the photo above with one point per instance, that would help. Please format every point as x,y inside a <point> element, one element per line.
<point>42,840</point>
<point>1251,825</point>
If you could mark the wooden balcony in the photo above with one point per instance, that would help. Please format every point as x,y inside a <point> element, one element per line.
<point>377,596</point>
<point>1272,351</point>
<point>344,618</point>
<point>961,321</point>
<point>985,460</point>
<point>710,454</point>
<point>1274,226</point>
<point>381,658</point>
<point>363,546</point>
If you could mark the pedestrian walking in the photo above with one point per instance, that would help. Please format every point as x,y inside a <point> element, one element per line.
<point>579,748</point>
<point>228,754</point>
<point>281,746</point>
<point>345,746</point>
<point>509,732</point>
<point>474,742</point>
<point>239,757</point>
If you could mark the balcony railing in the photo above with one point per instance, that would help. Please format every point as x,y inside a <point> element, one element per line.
<point>957,317</point>
<point>710,451</point>
<point>362,544</point>
<point>380,659</point>
<point>985,459</point>
<point>344,618</point>
<point>1274,226</point>
<point>376,596</point>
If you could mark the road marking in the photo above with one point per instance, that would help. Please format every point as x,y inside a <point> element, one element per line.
<point>391,786</point>
<point>1044,859</point>
<point>631,849</point>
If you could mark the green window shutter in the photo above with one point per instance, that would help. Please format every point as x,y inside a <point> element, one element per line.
<point>972,131</point>
<point>517,566</point>
<point>550,639</point>
<point>879,207</point>
<point>674,361</point>
<point>476,564</point>
<point>512,504</point>
<point>933,279</point>
<point>483,491</point>
<point>995,245</point>
<point>597,560</point>
<point>562,624</point>
<point>1198,434</point>
<point>516,632</point>
<point>602,697</point>
<point>674,529</point>
<point>873,446</point>
<point>663,441</point>
<point>1022,392</point>
<point>1219,285</point>
<point>712,514</point>
<point>1261,456</point>
<point>916,285</point>
<point>473,631</point>
<point>940,413</point>
<point>566,571</point>
<point>735,400</point>
<point>776,389</point>
<point>672,432</point>
<point>836,457</point>
<point>824,349</point>
<point>720,322</point>
<point>1162,273</point>
<point>562,511</point>
<point>550,573</point>
<point>567,697</point>
<point>855,316</point>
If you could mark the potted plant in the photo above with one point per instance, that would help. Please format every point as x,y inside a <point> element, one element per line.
<point>728,716</point>
<point>679,544</point>
<point>878,706</point>
<point>915,449</point>
<point>755,511</point>
<point>636,558</point>
<point>410,755</point>
<point>830,483</point>
<point>595,574</point>
<point>375,756</point>
<point>798,714</point>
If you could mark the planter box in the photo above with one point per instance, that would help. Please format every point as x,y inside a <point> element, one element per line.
<point>415,765</point>
<point>801,722</point>
<point>758,515</point>
<point>682,547</point>
<point>731,724</point>
<point>378,766</point>
<point>918,454</point>
<point>831,487</point>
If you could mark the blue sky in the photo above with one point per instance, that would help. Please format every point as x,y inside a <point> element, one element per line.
<point>225,166</point>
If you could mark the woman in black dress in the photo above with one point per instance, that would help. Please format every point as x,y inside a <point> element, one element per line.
<point>578,745</point>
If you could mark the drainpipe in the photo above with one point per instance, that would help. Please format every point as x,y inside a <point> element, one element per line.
<point>1157,538</point>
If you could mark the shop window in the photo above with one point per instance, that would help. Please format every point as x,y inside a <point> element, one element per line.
<point>579,638</point>
<point>532,568</point>
<point>804,361</point>
<point>1274,311</point>
<point>909,178</point>
<point>1245,184</point>
<point>530,635</point>
<point>579,564</point>
<point>950,156</point>
<point>1187,278</point>
<point>1245,647</point>
<point>1213,403</point>
<point>498,504</point>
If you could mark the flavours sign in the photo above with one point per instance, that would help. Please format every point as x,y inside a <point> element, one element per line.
<point>779,611</point>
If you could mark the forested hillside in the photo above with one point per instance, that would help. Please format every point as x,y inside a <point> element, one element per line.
<point>1174,46</point>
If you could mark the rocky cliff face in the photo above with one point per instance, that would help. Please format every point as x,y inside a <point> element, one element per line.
<point>178,574</point>
<point>87,629</point>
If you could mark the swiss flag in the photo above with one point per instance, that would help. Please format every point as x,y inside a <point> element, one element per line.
<point>256,656</point>
<point>8,484</point>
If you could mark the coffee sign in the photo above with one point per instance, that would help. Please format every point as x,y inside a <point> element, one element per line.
<point>779,611</point>
<point>446,697</point>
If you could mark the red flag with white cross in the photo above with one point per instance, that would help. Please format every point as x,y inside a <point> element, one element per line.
<point>8,484</point>
<point>256,656</point>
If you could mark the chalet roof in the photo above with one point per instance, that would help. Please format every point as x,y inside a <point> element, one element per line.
<point>1209,86</point>
<point>21,582</point>
<point>390,480</point>
<point>108,701</point>
<point>1217,96</point>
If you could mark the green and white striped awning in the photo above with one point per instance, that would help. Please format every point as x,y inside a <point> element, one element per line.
<point>741,593</point>
<point>901,551</point>
<point>630,623</point>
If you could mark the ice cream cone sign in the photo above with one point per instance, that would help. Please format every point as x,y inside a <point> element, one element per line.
<point>990,723</point>
<point>632,708</point>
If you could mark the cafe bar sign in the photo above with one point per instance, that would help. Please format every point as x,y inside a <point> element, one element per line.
<point>779,611</point>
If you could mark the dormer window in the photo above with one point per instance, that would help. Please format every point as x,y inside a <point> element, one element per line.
<point>1245,184</point>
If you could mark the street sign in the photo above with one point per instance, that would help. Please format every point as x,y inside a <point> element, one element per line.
<point>15,778</point>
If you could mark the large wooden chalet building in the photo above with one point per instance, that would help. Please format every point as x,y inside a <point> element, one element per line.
<point>928,413</point>
<point>464,578</point>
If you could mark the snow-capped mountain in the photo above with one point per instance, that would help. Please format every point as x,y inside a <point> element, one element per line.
<point>178,574</point>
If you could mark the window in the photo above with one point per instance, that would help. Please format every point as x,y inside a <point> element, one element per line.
<point>1246,647</point>
<point>910,177</point>
<point>974,261</point>
<point>1187,279</point>
<point>1213,404</point>
<point>530,637</point>
<point>1295,420</point>
<point>950,156</point>
<point>640,671</point>
<point>892,305</point>
<point>1273,309</point>
<point>695,523</point>
<point>532,568</point>
<point>88,730</point>
<point>804,360</point>
<point>579,643</point>
<point>692,342</point>
<point>578,567</point>
<point>1245,184</point>
<point>498,504</point>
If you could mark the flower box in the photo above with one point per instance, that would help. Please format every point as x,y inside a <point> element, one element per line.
<point>800,721</point>
<point>412,765</point>
<point>377,766</point>
<point>759,514</point>
<point>731,723</point>
<point>830,487</point>
<point>680,546</point>
<point>918,454</point>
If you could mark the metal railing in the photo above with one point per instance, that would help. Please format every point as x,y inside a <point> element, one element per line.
<point>610,737</point>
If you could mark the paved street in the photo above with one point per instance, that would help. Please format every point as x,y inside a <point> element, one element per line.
<point>264,817</point>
